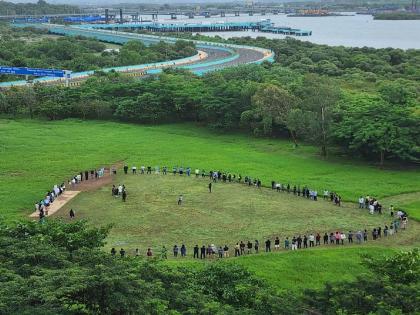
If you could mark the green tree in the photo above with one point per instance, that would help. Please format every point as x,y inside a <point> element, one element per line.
<point>369,124</point>
<point>319,96</point>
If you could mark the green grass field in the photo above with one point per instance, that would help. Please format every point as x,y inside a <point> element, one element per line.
<point>307,269</point>
<point>231,213</point>
<point>36,154</point>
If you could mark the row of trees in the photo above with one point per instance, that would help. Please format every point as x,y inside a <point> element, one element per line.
<point>39,8</point>
<point>59,268</point>
<point>267,100</point>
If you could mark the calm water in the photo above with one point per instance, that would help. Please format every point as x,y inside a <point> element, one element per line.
<point>356,31</point>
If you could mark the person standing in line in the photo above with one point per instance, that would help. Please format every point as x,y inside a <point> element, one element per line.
<point>242,246</point>
<point>237,250</point>
<point>149,252</point>
<point>350,237</point>
<point>134,170</point>
<point>311,240</point>
<point>125,169</point>
<point>277,244</point>
<point>203,252</point>
<point>113,251</point>
<point>256,246</point>
<point>183,250</point>
<point>122,252</point>
<point>267,246</point>
<point>226,251</point>
<point>220,251</point>
<point>196,251</point>
<point>249,246</point>
<point>294,243</point>
<point>318,239</point>
<point>175,250</point>
<point>286,243</point>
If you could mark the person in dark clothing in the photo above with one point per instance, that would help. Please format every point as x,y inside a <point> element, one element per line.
<point>203,252</point>
<point>256,246</point>
<point>86,175</point>
<point>122,252</point>
<point>124,195</point>
<point>113,251</point>
<point>268,246</point>
<point>196,251</point>
<point>175,250</point>
<point>350,237</point>
<point>273,185</point>
<point>298,191</point>
<point>125,169</point>
<point>249,246</point>
<point>71,213</point>
<point>305,241</point>
<point>210,184</point>
<point>183,250</point>
<point>294,190</point>
<point>325,238</point>
<point>242,246</point>
<point>299,242</point>
<point>288,188</point>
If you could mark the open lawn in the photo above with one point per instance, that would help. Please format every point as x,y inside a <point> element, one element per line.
<point>36,154</point>
<point>306,269</point>
<point>232,212</point>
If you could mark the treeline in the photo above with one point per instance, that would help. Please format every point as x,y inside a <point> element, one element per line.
<point>39,8</point>
<point>59,268</point>
<point>267,100</point>
<point>81,54</point>
<point>347,63</point>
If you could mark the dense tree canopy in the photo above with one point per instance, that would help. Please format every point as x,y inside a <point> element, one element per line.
<point>59,268</point>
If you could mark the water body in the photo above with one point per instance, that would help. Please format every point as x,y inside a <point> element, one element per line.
<point>349,31</point>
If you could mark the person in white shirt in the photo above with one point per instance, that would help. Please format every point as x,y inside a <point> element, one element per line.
<point>311,240</point>
<point>361,202</point>
<point>134,169</point>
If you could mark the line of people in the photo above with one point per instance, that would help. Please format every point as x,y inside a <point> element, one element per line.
<point>43,205</point>
<point>296,242</point>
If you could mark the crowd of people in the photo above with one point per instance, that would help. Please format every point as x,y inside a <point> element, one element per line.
<point>297,242</point>
<point>119,191</point>
<point>372,204</point>
<point>43,205</point>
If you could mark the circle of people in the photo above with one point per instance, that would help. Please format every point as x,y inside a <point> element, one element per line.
<point>296,242</point>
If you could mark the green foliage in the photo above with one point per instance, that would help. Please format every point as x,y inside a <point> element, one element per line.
<point>58,268</point>
<point>39,8</point>
<point>369,124</point>
<point>392,288</point>
<point>34,48</point>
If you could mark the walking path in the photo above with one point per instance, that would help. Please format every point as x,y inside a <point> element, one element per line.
<point>59,202</point>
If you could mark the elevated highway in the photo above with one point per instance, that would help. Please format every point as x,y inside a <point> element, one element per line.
<point>210,56</point>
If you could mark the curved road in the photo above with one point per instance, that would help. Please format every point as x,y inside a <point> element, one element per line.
<point>210,57</point>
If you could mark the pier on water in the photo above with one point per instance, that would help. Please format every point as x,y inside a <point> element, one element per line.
<point>263,26</point>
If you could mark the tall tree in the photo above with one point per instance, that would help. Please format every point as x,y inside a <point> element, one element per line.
<point>319,96</point>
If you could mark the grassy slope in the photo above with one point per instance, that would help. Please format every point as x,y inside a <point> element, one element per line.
<point>232,212</point>
<point>307,269</point>
<point>35,154</point>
